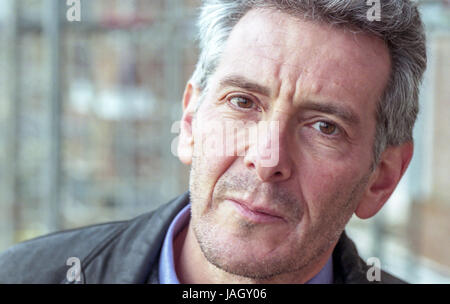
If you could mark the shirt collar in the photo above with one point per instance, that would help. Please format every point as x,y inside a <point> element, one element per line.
<point>168,275</point>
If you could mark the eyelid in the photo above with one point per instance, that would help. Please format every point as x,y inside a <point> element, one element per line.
<point>339,130</point>
<point>244,96</point>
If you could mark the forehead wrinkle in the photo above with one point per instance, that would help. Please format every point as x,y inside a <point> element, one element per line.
<point>282,72</point>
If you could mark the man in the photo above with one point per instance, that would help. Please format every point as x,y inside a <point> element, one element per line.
<point>332,96</point>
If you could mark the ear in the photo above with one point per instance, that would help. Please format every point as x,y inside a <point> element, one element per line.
<point>186,139</point>
<point>383,181</point>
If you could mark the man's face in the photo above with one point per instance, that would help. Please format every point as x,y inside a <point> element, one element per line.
<point>320,85</point>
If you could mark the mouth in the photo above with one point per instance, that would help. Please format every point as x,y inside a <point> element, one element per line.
<point>255,214</point>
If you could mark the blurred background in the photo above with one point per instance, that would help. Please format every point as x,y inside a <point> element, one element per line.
<point>86,116</point>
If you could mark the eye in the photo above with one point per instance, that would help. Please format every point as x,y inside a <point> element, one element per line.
<point>241,102</point>
<point>326,128</point>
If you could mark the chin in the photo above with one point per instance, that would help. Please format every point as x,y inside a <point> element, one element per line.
<point>242,256</point>
<point>249,266</point>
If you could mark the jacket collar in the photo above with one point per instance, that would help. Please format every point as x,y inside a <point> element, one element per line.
<point>349,268</point>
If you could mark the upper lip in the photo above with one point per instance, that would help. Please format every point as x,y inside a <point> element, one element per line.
<point>255,208</point>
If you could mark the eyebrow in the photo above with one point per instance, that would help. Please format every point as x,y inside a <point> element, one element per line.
<point>342,112</point>
<point>243,83</point>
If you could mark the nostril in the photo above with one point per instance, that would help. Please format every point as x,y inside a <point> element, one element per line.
<point>278,173</point>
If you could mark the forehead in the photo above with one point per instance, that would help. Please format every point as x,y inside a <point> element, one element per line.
<point>304,58</point>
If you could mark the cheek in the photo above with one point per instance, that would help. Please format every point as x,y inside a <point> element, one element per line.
<point>210,160</point>
<point>326,186</point>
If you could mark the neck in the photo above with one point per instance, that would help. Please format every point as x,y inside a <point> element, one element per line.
<point>193,268</point>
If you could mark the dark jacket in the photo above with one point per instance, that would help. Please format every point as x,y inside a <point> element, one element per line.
<point>128,252</point>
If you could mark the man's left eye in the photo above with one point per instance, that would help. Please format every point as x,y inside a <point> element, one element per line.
<point>242,102</point>
<point>326,128</point>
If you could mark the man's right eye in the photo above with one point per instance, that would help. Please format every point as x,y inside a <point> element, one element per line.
<point>241,102</point>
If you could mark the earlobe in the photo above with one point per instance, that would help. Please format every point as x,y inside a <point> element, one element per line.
<point>186,138</point>
<point>383,181</point>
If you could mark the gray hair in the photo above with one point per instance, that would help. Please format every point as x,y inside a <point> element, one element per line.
<point>400,27</point>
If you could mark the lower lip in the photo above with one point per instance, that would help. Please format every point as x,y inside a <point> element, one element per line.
<point>254,216</point>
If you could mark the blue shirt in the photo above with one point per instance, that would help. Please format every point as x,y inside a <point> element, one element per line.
<point>168,275</point>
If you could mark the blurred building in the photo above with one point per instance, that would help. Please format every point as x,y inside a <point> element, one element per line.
<point>86,110</point>
<point>87,113</point>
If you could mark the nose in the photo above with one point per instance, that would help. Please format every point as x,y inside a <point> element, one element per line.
<point>268,154</point>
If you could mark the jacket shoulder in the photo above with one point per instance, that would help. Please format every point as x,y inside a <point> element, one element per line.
<point>350,268</point>
<point>44,259</point>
